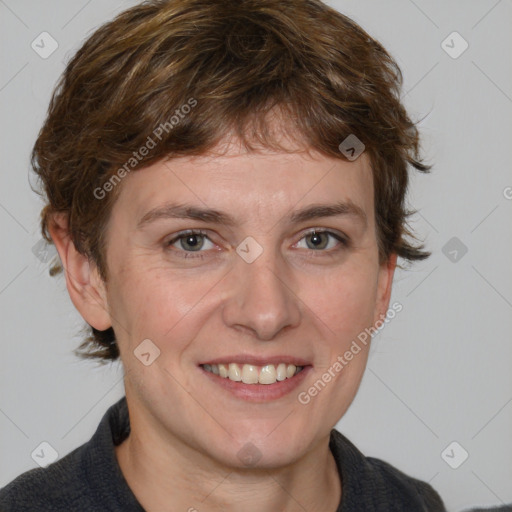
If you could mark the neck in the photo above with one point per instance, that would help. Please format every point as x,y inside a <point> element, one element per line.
<point>169,476</point>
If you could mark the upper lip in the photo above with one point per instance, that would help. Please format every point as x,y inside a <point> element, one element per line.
<point>257,360</point>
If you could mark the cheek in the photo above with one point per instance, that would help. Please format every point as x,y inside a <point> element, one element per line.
<point>344,302</point>
<point>152,303</point>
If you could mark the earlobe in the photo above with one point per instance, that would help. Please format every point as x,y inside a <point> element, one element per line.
<point>385,282</point>
<point>85,287</point>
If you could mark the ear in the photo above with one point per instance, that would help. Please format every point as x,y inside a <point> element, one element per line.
<point>384,285</point>
<point>85,287</point>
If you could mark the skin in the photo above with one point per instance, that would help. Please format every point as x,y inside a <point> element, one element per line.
<point>294,299</point>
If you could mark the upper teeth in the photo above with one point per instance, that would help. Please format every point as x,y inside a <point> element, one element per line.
<point>251,374</point>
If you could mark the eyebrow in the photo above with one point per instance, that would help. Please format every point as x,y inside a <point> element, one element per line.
<point>186,211</point>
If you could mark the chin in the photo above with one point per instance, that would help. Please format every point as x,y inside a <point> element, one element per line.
<point>265,448</point>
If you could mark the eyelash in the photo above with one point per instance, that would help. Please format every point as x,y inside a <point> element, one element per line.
<point>344,243</point>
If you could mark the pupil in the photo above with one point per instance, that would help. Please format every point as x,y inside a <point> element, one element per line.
<point>192,240</point>
<point>316,239</point>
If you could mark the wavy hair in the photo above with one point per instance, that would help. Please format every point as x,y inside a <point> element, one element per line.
<point>239,60</point>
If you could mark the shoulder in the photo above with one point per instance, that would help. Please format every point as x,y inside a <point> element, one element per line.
<point>88,478</point>
<point>377,485</point>
<point>398,482</point>
<point>54,488</point>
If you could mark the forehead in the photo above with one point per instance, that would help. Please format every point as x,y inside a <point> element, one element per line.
<point>251,186</point>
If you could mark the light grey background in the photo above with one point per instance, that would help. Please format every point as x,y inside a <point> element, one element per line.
<point>438,373</point>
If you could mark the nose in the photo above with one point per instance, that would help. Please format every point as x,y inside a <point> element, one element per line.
<point>260,298</point>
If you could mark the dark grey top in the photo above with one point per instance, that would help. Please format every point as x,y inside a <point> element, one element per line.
<point>89,479</point>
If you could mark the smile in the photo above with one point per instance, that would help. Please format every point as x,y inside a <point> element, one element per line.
<point>252,374</point>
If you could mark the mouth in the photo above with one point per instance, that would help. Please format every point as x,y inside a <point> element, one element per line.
<point>253,374</point>
<point>257,382</point>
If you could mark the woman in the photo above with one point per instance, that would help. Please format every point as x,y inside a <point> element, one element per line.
<point>225,184</point>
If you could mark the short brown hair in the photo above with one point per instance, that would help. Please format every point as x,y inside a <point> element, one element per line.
<point>237,60</point>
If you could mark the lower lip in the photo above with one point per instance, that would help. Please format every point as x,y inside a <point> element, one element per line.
<point>259,392</point>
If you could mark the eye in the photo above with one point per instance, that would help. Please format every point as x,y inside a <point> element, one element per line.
<point>193,241</point>
<point>190,241</point>
<point>319,240</point>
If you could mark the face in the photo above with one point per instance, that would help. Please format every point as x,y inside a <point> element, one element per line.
<point>237,265</point>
